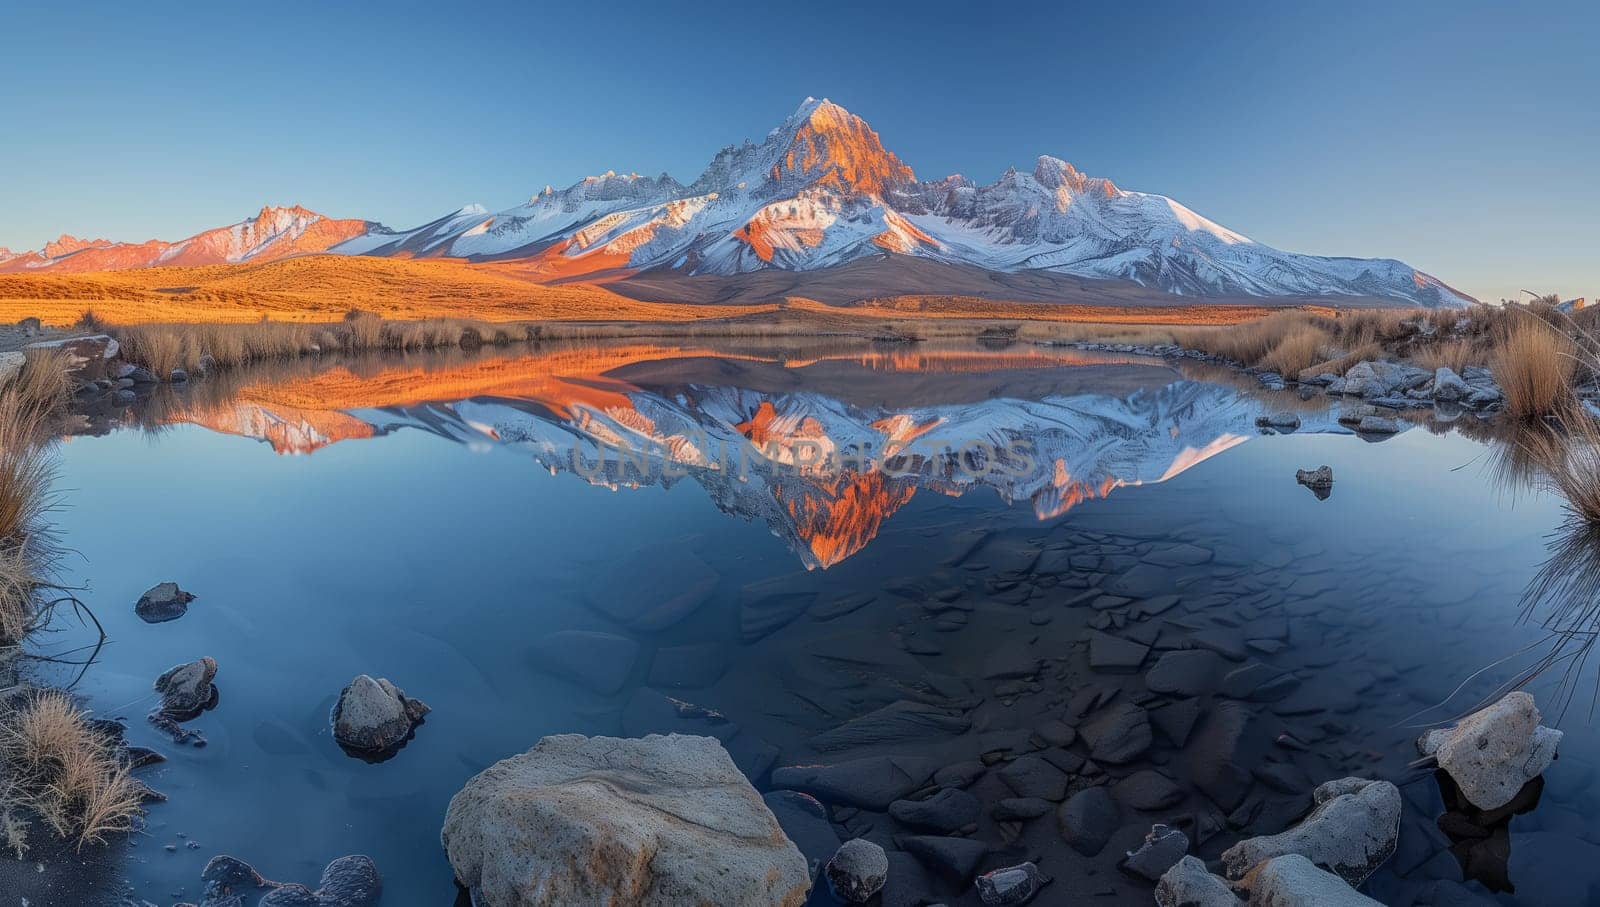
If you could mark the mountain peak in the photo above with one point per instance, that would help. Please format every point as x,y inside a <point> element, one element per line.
<point>66,244</point>
<point>825,144</point>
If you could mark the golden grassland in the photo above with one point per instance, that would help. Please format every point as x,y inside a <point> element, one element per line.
<point>321,288</point>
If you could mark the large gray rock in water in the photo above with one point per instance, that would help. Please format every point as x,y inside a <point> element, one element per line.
<point>1352,830</point>
<point>857,871</point>
<point>606,820</point>
<point>372,716</point>
<point>1190,884</point>
<point>1492,753</point>
<point>1294,881</point>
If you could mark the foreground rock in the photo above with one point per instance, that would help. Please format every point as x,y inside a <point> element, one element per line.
<point>1319,480</point>
<point>374,716</point>
<point>1010,885</point>
<point>1351,832</point>
<point>1190,884</point>
<point>596,820</point>
<point>1294,881</point>
<point>1163,848</point>
<point>857,871</point>
<point>347,882</point>
<point>11,366</point>
<point>1493,752</point>
<point>163,603</point>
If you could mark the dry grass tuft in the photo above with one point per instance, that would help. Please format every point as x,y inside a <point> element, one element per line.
<point>27,405</point>
<point>1534,366</point>
<point>1455,355</point>
<point>65,772</point>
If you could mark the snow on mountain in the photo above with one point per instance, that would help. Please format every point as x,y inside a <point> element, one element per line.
<point>821,190</point>
<point>273,233</point>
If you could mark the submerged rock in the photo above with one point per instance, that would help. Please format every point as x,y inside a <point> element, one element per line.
<point>163,603</point>
<point>1377,425</point>
<point>1351,832</point>
<point>1319,480</point>
<point>1010,886</point>
<point>857,871</point>
<point>1294,881</point>
<point>652,821</point>
<point>1088,820</point>
<point>1493,752</point>
<point>1189,884</point>
<point>347,882</point>
<point>374,716</point>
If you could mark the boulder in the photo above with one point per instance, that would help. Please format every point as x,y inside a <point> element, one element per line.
<point>1010,886</point>
<point>805,821</point>
<point>163,603</point>
<point>374,716</point>
<point>1117,734</point>
<point>347,882</point>
<point>1449,386</point>
<point>947,811</point>
<point>1294,881</point>
<point>872,782</point>
<point>1351,832</point>
<point>651,821</point>
<point>1493,752</point>
<point>857,871</point>
<point>1190,884</point>
<point>186,690</point>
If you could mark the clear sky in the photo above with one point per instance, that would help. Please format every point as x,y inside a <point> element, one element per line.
<point>1461,137</point>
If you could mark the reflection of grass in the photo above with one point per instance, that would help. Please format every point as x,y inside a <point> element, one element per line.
<point>64,771</point>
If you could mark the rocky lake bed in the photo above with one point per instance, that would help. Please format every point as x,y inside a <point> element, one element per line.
<point>1147,665</point>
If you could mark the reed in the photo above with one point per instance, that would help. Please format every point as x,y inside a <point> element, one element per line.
<point>1534,365</point>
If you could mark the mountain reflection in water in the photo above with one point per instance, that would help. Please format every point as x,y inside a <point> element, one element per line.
<point>822,444</point>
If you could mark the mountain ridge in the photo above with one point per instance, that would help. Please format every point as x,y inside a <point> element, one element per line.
<point>819,192</point>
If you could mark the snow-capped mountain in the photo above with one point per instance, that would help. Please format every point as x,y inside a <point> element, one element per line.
<point>821,190</point>
<point>273,233</point>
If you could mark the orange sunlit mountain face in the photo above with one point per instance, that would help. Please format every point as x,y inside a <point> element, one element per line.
<point>830,512</point>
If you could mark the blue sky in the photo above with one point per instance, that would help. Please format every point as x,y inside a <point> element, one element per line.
<point>1461,137</point>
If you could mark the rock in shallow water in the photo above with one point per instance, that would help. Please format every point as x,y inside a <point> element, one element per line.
<point>186,690</point>
<point>1351,832</point>
<point>1493,752</point>
<point>1319,480</point>
<point>374,716</point>
<point>1190,884</point>
<point>857,871</point>
<point>652,821</point>
<point>1010,886</point>
<point>1088,820</point>
<point>1162,849</point>
<point>1294,881</point>
<point>162,603</point>
<point>347,882</point>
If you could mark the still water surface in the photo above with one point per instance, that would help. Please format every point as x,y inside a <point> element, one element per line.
<point>437,521</point>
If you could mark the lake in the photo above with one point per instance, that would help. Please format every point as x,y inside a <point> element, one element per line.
<point>815,551</point>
